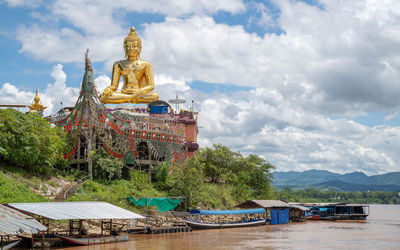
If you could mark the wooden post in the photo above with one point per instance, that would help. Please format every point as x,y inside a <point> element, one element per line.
<point>89,158</point>
<point>80,228</point>
<point>79,153</point>
<point>110,226</point>
<point>70,227</point>
<point>48,226</point>
<point>150,165</point>
<point>42,234</point>
<point>147,211</point>
<point>101,227</point>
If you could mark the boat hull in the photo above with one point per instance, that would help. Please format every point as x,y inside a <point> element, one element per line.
<point>95,240</point>
<point>199,225</point>
<point>10,245</point>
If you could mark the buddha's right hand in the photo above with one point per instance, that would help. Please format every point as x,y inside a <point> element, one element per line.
<point>108,92</point>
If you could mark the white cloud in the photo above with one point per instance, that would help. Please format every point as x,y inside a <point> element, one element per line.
<point>51,97</point>
<point>24,3</point>
<point>391,116</point>
<point>9,94</point>
<point>294,139</point>
<point>101,82</point>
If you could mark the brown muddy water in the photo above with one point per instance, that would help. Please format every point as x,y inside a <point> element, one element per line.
<point>380,231</point>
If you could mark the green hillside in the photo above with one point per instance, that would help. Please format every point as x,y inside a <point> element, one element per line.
<point>12,191</point>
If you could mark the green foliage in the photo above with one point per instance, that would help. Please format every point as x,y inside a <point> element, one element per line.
<point>105,166</point>
<point>161,175</point>
<point>11,191</point>
<point>187,181</point>
<point>116,191</point>
<point>251,176</point>
<point>30,141</point>
<point>213,196</point>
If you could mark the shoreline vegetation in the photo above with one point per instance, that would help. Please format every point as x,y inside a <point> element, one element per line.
<point>32,169</point>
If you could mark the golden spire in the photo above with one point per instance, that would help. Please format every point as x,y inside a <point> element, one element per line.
<point>36,106</point>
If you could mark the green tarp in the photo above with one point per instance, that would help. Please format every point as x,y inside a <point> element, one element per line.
<point>163,204</point>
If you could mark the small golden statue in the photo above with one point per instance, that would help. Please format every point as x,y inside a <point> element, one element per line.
<point>137,75</point>
<point>36,106</point>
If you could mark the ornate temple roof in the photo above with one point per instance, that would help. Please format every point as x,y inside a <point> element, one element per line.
<point>36,106</point>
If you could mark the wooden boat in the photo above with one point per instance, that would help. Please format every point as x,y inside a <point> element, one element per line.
<point>314,217</point>
<point>201,225</point>
<point>94,240</point>
<point>197,220</point>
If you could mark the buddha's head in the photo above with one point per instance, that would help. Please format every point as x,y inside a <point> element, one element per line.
<point>132,45</point>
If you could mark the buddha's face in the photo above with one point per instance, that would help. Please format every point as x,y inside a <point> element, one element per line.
<point>132,49</point>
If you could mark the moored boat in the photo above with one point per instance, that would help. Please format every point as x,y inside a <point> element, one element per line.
<point>94,240</point>
<point>337,211</point>
<point>244,218</point>
<point>201,225</point>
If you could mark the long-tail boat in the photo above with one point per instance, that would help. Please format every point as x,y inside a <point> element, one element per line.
<point>94,240</point>
<point>249,217</point>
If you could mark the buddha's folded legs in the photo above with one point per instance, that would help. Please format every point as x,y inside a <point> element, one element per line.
<point>118,97</point>
<point>145,98</point>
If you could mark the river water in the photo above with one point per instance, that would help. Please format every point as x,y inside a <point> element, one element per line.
<point>380,231</point>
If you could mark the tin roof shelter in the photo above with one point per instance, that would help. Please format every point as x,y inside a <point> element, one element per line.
<point>79,210</point>
<point>264,204</point>
<point>76,212</point>
<point>13,222</point>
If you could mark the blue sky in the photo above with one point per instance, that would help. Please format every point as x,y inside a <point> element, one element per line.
<point>310,84</point>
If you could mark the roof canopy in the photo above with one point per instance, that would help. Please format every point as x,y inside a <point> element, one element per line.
<point>264,203</point>
<point>13,222</point>
<point>84,210</point>
<point>221,212</point>
<point>299,207</point>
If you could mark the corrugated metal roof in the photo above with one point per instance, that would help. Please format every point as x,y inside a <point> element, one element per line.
<point>264,203</point>
<point>13,222</point>
<point>84,210</point>
<point>299,207</point>
<point>318,204</point>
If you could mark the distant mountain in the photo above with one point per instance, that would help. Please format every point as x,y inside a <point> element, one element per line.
<point>355,177</point>
<point>309,177</point>
<point>326,180</point>
<point>385,179</point>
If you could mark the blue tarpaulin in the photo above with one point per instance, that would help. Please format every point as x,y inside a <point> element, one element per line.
<point>221,212</point>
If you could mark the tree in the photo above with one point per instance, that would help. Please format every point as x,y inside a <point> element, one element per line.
<point>30,141</point>
<point>218,162</point>
<point>250,176</point>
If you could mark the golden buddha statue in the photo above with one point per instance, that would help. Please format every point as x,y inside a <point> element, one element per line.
<point>136,73</point>
<point>36,106</point>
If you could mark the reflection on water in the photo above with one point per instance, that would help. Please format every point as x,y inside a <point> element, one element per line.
<point>380,231</point>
